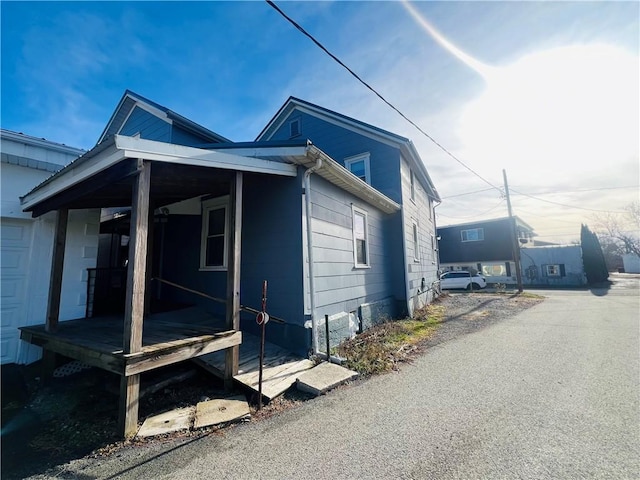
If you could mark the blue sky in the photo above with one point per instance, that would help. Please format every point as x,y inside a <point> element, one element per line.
<point>556,105</point>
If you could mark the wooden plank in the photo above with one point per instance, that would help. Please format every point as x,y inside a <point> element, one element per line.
<point>105,361</point>
<point>57,266</point>
<point>149,256</point>
<point>128,414</point>
<point>233,275</point>
<point>136,272</point>
<point>138,365</point>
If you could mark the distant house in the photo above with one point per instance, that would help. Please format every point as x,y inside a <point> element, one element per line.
<point>631,263</point>
<point>26,243</point>
<point>560,265</point>
<point>335,214</point>
<point>485,246</point>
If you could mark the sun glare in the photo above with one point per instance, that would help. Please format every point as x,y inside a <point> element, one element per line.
<point>568,108</point>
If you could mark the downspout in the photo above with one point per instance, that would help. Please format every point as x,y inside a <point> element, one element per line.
<point>306,186</point>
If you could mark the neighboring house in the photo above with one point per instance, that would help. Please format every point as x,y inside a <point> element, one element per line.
<point>335,214</point>
<point>553,266</point>
<point>631,263</point>
<point>26,243</point>
<point>485,246</point>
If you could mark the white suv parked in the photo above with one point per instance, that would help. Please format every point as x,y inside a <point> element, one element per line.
<point>464,280</point>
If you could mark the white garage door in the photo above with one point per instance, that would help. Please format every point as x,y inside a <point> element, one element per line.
<point>15,242</point>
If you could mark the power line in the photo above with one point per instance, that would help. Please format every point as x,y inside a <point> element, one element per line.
<point>468,193</point>
<point>565,205</point>
<point>475,215</point>
<point>357,77</point>
<point>580,190</point>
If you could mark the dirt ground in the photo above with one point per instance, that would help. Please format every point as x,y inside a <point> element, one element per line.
<point>45,425</point>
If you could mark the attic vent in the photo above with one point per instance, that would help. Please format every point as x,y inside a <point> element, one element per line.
<point>294,128</point>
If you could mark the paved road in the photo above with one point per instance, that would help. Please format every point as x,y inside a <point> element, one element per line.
<point>551,393</point>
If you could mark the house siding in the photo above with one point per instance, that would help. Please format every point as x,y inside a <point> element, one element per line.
<point>181,136</point>
<point>569,258</point>
<point>340,143</point>
<point>496,246</point>
<point>26,247</point>
<point>418,211</point>
<point>181,265</point>
<point>147,125</point>
<point>341,288</point>
<point>272,251</point>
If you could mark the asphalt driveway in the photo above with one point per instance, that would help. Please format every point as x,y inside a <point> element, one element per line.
<point>550,393</point>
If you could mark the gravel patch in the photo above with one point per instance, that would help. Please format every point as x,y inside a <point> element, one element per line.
<point>469,312</point>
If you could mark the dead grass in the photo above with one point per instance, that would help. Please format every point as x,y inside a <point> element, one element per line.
<point>381,348</point>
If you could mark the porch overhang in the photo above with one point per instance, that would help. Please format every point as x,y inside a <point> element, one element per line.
<point>102,177</point>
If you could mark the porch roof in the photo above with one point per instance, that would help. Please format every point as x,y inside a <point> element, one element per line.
<point>102,177</point>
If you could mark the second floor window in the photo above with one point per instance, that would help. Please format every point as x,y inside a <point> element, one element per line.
<point>359,166</point>
<point>472,235</point>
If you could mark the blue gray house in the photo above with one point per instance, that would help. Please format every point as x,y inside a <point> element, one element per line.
<point>335,214</point>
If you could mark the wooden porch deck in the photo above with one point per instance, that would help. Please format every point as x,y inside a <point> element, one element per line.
<point>280,371</point>
<point>167,338</point>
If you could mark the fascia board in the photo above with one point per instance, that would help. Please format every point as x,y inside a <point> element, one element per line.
<point>412,156</point>
<point>261,152</point>
<point>72,176</point>
<point>39,142</point>
<point>179,154</point>
<point>343,178</point>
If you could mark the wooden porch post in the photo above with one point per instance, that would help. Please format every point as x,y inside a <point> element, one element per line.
<point>135,296</point>
<point>233,276</point>
<point>55,287</point>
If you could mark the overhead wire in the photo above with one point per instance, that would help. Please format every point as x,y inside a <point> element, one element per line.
<point>393,107</point>
<point>564,204</point>
<point>475,215</point>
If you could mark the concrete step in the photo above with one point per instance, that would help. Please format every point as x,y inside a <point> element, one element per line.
<point>324,377</point>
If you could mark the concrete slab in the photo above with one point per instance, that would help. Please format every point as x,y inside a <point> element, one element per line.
<point>172,421</point>
<point>221,410</point>
<point>324,377</point>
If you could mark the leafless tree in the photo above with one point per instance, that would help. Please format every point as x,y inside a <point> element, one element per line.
<point>620,229</point>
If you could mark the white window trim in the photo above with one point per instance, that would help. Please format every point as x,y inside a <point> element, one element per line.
<point>415,239</point>
<point>473,240</point>
<point>553,275</point>
<point>207,205</point>
<point>357,158</point>
<point>355,210</point>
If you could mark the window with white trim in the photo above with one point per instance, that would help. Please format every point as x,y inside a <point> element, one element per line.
<point>416,242</point>
<point>360,237</point>
<point>359,166</point>
<point>556,270</point>
<point>472,235</point>
<point>213,248</point>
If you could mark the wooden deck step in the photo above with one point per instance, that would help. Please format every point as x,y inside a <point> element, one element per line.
<point>281,367</point>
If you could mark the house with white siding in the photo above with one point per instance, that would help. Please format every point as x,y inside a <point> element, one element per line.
<point>26,243</point>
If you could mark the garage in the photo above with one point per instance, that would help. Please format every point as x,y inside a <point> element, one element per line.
<point>15,241</point>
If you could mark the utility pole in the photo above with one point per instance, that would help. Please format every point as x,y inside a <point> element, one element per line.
<point>514,234</point>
